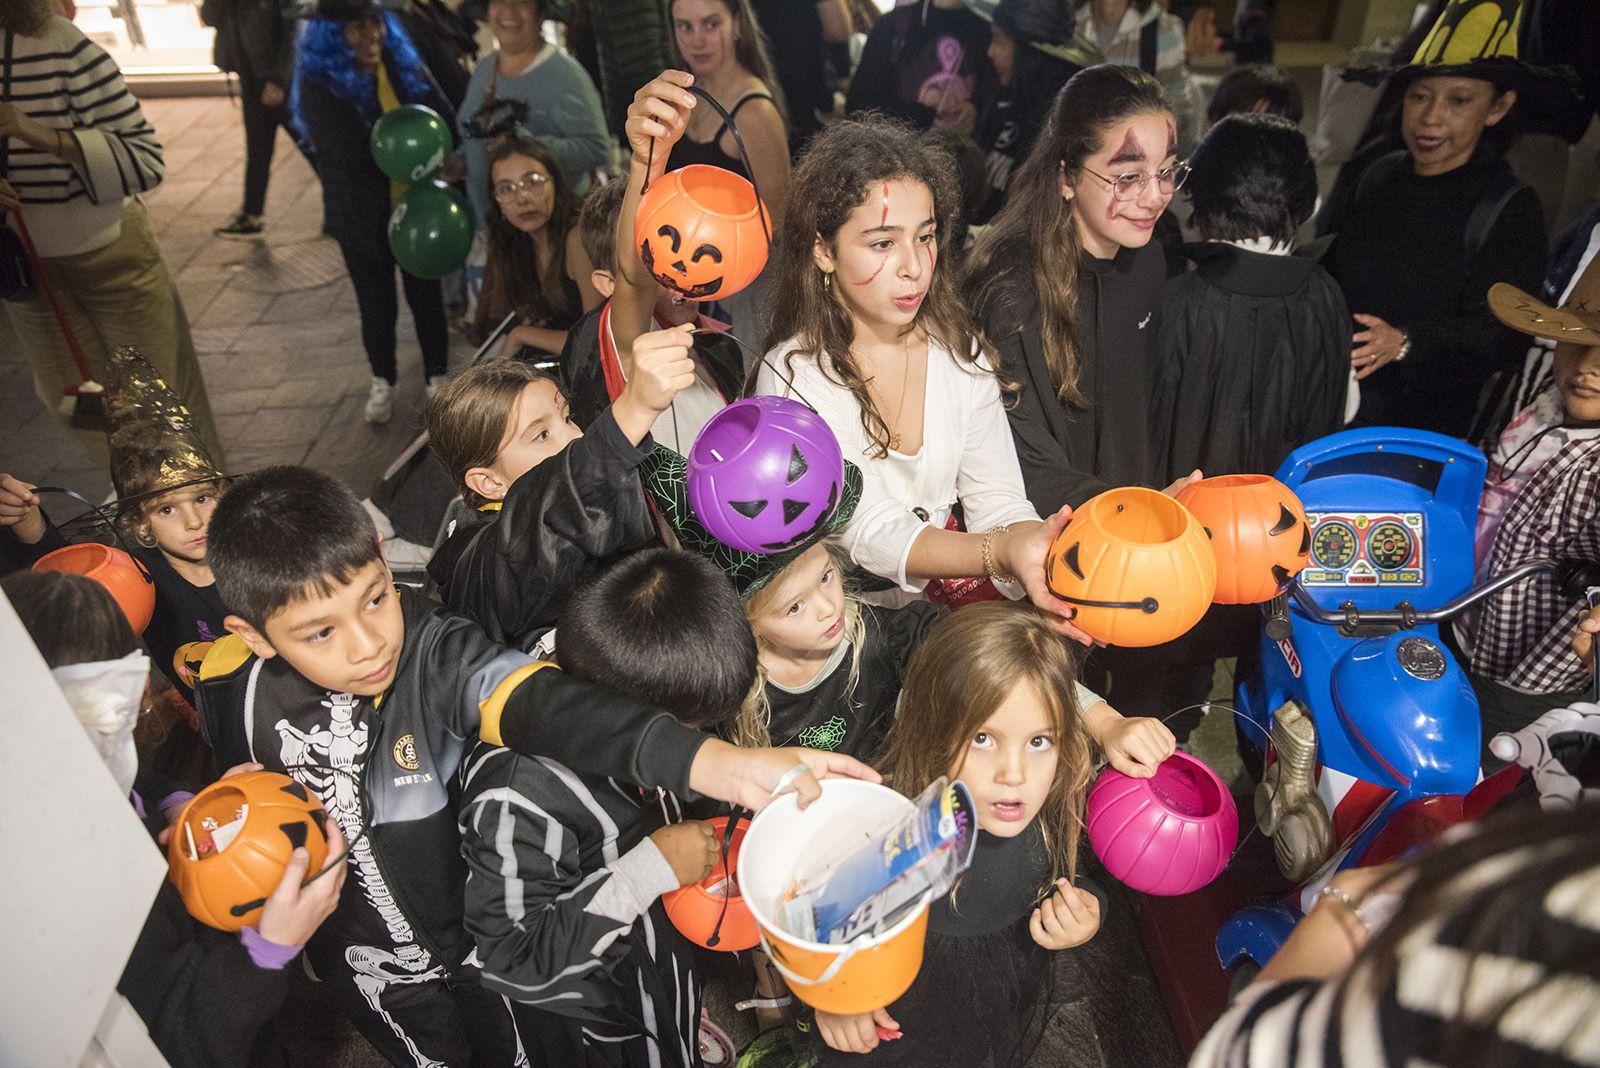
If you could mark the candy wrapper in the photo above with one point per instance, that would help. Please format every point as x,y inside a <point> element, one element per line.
<point>872,885</point>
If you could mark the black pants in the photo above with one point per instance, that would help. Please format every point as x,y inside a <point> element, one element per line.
<point>260,139</point>
<point>372,274</point>
<point>412,1020</point>
<point>1505,710</point>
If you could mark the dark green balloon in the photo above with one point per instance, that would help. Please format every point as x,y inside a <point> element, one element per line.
<point>430,230</point>
<point>410,142</point>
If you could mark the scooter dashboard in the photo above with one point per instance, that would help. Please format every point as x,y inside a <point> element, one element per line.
<point>1374,549</point>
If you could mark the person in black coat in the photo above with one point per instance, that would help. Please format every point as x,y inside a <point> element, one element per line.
<point>351,56</point>
<point>255,40</point>
<point>1253,351</point>
<point>1253,361</point>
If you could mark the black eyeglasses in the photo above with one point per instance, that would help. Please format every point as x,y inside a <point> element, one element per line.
<point>1131,186</point>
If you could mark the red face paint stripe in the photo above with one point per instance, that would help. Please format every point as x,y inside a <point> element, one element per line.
<point>884,218</point>
<point>867,281</point>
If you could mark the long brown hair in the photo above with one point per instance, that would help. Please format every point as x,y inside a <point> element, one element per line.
<point>514,279</point>
<point>26,17</point>
<point>751,48</point>
<point>965,669</point>
<point>831,180</point>
<point>467,418</point>
<point>1036,231</point>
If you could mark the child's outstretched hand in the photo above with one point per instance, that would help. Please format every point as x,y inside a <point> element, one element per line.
<point>857,1034</point>
<point>1068,917</point>
<point>690,847</point>
<point>1136,745</point>
<point>19,510</point>
<point>659,112</point>
<point>294,912</point>
<point>751,778</point>
<point>662,368</point>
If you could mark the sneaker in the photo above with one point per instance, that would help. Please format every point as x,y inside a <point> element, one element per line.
<point>435,384</point>
<point>242,228</point>
<point>380,402</point>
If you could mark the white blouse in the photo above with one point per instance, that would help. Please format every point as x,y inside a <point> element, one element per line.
<point>967,454</point>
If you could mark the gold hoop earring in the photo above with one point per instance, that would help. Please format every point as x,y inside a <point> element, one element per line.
<point>827,281</point>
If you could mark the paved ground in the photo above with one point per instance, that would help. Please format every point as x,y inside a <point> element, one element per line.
<point>285,370</point>
<point>287,380</point>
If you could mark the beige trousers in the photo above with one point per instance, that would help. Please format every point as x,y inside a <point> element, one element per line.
<point>121,294</point>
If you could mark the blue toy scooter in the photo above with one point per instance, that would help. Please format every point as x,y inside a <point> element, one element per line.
<point>1373,724</point>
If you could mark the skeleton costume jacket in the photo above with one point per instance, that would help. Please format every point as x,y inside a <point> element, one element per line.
<point>511,567</point>
<point>386,767</point>
<point>563,903</point>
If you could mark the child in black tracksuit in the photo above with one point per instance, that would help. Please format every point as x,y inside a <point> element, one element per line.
<point>564,871</point>
<point>370,696</point>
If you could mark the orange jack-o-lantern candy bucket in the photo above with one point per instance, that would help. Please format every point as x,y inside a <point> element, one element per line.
<point>233,840</point>
<point>712,912</point>
<point>129,583</point>
<point>1258,532</point>
<point>702,232</point>
<point>1137,566</point>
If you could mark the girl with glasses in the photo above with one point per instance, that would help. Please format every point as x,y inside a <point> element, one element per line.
<point>1066,284</point>
<point>529,226</point>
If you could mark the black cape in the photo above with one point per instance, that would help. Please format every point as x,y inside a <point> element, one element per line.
<point>1254,361</point>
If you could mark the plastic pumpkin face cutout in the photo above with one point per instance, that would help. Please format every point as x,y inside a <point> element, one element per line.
<point>765,474</point>
<point>701,233</point>
<point>1136,564</point>
<point>1258,532</point>
<point>231,843</point>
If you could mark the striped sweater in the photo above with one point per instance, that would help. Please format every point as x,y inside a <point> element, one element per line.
<point>1444,997</point>
<point>64,81</point>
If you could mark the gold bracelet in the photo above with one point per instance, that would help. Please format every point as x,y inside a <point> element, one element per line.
<point>988,555</point>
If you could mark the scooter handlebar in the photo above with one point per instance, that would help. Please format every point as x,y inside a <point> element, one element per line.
<point>1574,578</point>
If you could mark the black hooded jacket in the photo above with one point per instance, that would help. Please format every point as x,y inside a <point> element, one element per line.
<point>1068,452</point>
<point>1254,361</point>
<point>511,568</point>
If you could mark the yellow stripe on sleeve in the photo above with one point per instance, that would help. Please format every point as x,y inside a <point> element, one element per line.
<point>491,708</point>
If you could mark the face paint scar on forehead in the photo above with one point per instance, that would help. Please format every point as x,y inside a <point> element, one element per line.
<point>1131,150</point>
<point>884,218</point>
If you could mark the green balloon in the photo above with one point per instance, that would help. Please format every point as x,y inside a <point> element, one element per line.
<point>430,231</point>
<point>410,142</point>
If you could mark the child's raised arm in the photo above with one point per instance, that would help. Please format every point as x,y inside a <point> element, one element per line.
<point>662,368</point>
<point>657,117</point>
<point>1135,745</point>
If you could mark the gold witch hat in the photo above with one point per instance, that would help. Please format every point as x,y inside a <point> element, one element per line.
<point>155,446</point>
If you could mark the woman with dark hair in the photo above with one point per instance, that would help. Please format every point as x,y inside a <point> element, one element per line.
<point>529,86</point>
<point>1427,229</point>
<point>353,63</point>
<point>1034,52</point>
<point>1066,283</point>
<point>530,226</point>
<point>721,44</point>
<point>1480,954</point>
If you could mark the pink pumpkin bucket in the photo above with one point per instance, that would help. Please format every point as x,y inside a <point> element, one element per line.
<point>1167,835</point>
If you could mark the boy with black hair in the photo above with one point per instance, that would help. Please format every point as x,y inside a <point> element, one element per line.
<point>1253,358</point>
<point>370,695</point>
<point>1255,89</point>
<point>564,871</point>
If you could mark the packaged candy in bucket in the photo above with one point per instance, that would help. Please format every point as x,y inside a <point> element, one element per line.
<point>916,857</point>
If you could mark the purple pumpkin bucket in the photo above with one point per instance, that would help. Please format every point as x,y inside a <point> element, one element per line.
<point>1167,835</point>
<point>765,474</point>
